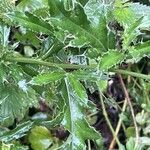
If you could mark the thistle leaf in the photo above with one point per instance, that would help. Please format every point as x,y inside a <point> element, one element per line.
<point>110,59</point>
<point>131,32</point>
<point>123,13</point>
<point>78,21</point>
<point>14,103</point>
<point>31,22</point>
<point>4,35</point>
<point>74,121</point>
<point>140,51</point>
<point>16,133</point>
<point>47,78</point>
<point>32,5</point>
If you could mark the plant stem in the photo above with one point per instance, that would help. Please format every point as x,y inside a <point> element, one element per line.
<point>131,109</point>
<point>89,145</point>
<point>71,66</point>
<point>45,63</point>
<point>107,119</point>
<point>134,74</point>
<point>118,126</point>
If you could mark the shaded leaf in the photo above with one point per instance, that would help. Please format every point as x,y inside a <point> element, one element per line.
<point>14,103</point>
<point>2,73</point>
<point>32,5</point>
<point>130,132</point>
<point>40,138</point>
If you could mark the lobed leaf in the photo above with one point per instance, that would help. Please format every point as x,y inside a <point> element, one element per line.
<point>123,13</point>
<point>74,121</point>
<point>31,22</point>
<point>47,78</point>
<point>140,51</point>
<point>86,75</point>
<point>78,25</point>
<point>16,133</point>
<point>110,59</point>
<point>14,103</point>
<point>99,13</point>
<point>140,9</point>
<point>131,32</point>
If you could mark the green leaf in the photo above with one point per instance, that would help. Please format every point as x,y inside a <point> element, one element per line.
<point>130,132</point>
<point>31,22</point>
<point>14,103</point>
<point>4,35</point>
<point>39,7</point>
<point>131,32</point>
<point>77,21</point>
<point>74,121</point>
<point>6,6</point>
<point>82,2</point>
<point>102,85</point>
<point>32,5</point>
<point>140,9</point>
<point>69,4</point>
<point>89,75</point>
<point>5,146</point>
<point>18,147</point>
<point>99,19</point>
<point>110,59</point>
<point>40,138</point>
<point>123,13</point>
<point>144,141</point>
<point>2,73</point>
<point>140,51</point>
<point>16,133</point>
<point>47,78</point>
<point>130,145</point>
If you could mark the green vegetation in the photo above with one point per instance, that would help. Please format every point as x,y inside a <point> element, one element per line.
<point>74,75</point>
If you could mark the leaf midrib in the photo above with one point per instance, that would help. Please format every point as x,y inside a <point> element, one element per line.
<point>89,34</point>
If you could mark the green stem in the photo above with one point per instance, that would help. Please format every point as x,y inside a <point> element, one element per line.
<point>71,66</point>
<point>44,63</point>
<point>134,74</point>
<point>107,119</point>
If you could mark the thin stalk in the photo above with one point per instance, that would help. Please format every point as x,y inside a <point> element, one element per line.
<point>89,145</point>
<point>107,119</point>
<point>131,109</point>
<point>71,66</point>
<point>118,126</point>
<point>134,74</point>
